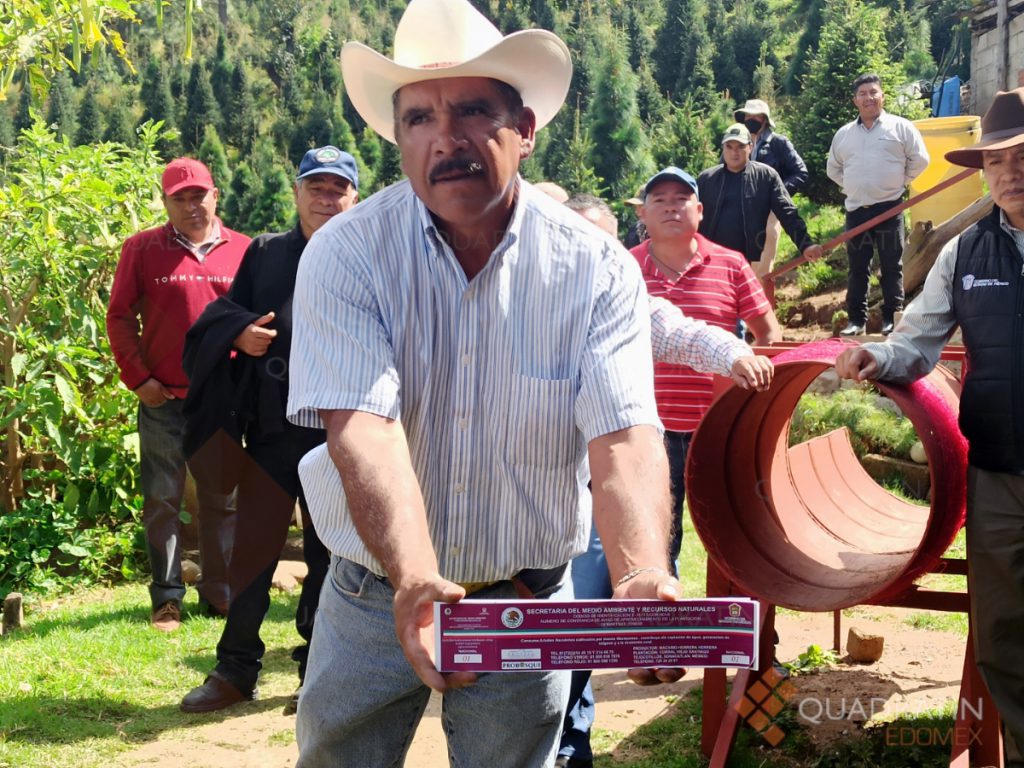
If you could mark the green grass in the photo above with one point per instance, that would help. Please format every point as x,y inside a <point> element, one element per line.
<point>693,559</point>
<point>872,429</point>
<point>88,679</point>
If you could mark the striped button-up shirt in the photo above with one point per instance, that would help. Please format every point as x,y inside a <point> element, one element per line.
<point>913,349</point>
<point>499,382</point>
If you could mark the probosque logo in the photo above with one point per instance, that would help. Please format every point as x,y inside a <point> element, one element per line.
<point>762,703</point>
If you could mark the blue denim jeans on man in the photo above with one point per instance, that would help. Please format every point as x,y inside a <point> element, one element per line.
<point>361,701</point>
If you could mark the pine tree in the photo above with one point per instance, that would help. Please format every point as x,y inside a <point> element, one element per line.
<point>61,113</point>
<point>23,114</point>
<point>158,104</point>
<point>7,133</point>
<point>390,169</point>
<point>682,34</point>
<point>316,130</point>
<point>764,77</point>
<point>201,109</point>
<point>686,138</point>
<point>90,123</point>
<point>120,125</point>
<point>238,198</point>
<point>738,47</point>
<point>211,152</point>
<point>220,75</point>
<point>619,153</point>
<point>372,152</point>
<point>852,43</point>
<point>806,46</point>
<point>274,209</point>
<point>578,174</point>
<point>649,101</point>
<point>241,128</point>
<point>543,15</point>
<point>702,80</point>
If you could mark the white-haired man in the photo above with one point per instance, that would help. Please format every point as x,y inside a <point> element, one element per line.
<point>977,283</point>
<point>468,344</point>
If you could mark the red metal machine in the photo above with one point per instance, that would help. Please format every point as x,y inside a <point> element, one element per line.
<point>806,528</point>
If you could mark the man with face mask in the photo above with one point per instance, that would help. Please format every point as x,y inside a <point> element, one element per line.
<point>775,150</point>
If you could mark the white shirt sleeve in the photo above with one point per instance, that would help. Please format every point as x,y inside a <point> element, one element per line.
<point>917,153</point>
<point>682,340</point>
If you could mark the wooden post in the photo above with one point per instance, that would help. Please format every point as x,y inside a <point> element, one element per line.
<point>925,242</point>
<point>13,616</point>
<point>1003,45</point>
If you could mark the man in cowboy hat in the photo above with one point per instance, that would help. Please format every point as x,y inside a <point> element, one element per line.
<point>977,283</point>
<point>777,151</point>
<point>476,352</point>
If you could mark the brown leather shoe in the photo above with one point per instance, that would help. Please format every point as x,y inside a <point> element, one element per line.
<point>167,617</point>
<point>215,693</point>
<point>292,705</point>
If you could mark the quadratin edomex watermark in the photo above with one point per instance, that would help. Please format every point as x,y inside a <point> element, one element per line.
<point>766,698</point>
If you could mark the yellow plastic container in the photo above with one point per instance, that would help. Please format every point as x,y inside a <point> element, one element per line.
<point>942,134</point>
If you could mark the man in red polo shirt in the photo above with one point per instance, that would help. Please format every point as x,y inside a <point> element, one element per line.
<point>165,278</point>
<point>707,282</point>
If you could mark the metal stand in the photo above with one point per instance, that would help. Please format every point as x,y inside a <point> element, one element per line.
<point>977,734</point>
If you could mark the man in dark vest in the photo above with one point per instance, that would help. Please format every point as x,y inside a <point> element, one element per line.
<point>977,283</point>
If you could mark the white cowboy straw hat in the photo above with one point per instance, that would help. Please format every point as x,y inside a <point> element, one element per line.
<point>449,38</point>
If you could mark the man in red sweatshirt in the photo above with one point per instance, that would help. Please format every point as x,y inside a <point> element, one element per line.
<point>165,278</point>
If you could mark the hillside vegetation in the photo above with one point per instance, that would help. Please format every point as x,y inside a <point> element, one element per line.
<point>655,83</point>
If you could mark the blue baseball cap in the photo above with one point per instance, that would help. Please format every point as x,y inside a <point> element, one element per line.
<point>329,160</point>
<point>672,174</point>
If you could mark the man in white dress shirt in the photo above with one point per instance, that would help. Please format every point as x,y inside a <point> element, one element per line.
<point>873,159</point>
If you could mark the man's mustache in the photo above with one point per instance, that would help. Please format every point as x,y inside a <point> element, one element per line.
<point>454,165</point>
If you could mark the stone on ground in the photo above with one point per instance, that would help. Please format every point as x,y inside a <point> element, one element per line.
<point>864,648</point>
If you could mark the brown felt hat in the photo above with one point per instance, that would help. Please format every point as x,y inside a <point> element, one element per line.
<point>1002,127</point>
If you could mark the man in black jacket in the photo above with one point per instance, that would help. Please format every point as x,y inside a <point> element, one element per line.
<point>238,353</point>
<point>740,194</point>
<point>778,151</point>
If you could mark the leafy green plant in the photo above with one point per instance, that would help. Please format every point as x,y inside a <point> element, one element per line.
<point>872,429</point>
<point>67,455</point>
<point>814,659</point>
<point>812,277</point>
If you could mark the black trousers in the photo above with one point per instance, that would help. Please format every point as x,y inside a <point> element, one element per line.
<point>887,239</point>
<point>268,486</point>
<point>995,578</point>
<point>677,445</point>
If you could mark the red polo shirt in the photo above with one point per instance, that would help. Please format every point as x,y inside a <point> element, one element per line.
<point>718,287</point>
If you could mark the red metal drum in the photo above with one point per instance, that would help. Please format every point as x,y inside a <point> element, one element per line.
<point>806,527</point>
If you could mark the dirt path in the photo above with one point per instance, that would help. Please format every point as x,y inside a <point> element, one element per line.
<point>920,670</point>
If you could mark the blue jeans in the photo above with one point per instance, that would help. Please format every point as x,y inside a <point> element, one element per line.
<point>361,701</point>
<point>161,434</point>
<point>677,445</point>
<point>590,581</point>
